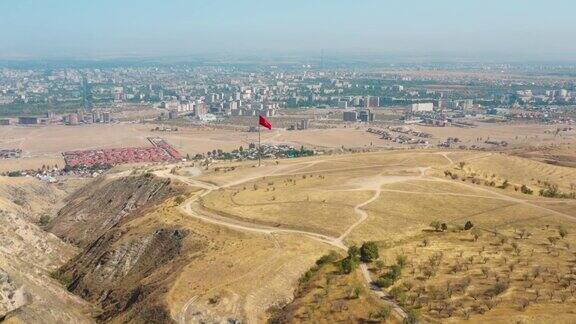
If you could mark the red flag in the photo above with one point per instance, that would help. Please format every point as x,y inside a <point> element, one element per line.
<point>265,122</point>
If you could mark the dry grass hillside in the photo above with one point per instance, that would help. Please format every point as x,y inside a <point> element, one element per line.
<point>30,197</point>
<point>150,264</point>
<point>459,239</point>
<point>121,267</point>
<point>28,255</point>
<point>324,295</point>
<point>402,193</point>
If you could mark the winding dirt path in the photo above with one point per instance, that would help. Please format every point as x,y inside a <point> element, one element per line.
<point>337,242</point>
<point>373,183</point>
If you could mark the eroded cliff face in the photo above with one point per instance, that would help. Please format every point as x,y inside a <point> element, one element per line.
<point>131,248</point>
<point>96,208</point>
<point>127,276</point>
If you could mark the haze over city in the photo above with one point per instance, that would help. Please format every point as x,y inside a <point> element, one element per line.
<point>287,162</point>
<point>510,30</point>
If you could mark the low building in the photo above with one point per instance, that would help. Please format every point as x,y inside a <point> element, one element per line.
<point>106,117</point>
<point>422,107</point>
<point>372,102</point>
<point>73,119</point>
<point>350,116</point>
<point>366,116</point>
<point>28,120</point>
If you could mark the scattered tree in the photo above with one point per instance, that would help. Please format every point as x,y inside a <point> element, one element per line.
<point>436,225</point>
<point>44,220</point>
<point>525,190</point>
<point>353,251</point>
<point>476,233</point>
<point>443,227</point>
<point>348,264</point>
<point>562,231</point>
<point>383,313</point>
<point>369,252</point>
<point>401,260</point>
<point>411,317</point>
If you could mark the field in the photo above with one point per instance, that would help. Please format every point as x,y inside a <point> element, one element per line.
<point>43,145</point>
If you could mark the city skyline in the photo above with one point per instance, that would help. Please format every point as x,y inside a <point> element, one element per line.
<point>512,30</point>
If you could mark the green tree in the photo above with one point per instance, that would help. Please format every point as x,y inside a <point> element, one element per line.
<point>348,264</point>
<point>328,258</point>
<point>44,220</point>
<point>383,282</point>
<point>394,272</point>
<point>353,251</point>
<point>369,252</point>
<point>525,190</point>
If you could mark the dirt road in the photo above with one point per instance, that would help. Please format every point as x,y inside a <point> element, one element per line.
<point>337,242</point>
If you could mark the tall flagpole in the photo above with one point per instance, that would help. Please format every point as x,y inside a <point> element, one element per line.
<point>259,144</point>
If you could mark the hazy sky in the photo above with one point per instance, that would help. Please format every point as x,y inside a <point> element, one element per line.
<point>100,28</point>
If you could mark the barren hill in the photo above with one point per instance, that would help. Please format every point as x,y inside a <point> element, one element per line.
<point>462,235</point>
<point>28,255</point>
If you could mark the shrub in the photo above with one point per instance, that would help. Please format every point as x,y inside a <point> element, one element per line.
<point>63,278</point>
<point>380,264</point>
<point>179,200</point>
<point>383,313</point>
<point>468,225</point>
<point>19,202</point>
<point>14,174</point>
<point>525,190</point>
<point>369,252</point>
<point>476,233</point>
<point>353,251</point>
<point>398,294</point>
<point>328,258</point>
<point>411,317</point>
<point>562,231</point>
<point>308,275</point>
<point>436,225</point>
<point>551,191</point>
<point>394,272</point>
<point>355,293</point>
<point>348,264</point>
<point>383,282</point>
<point>504,184</point>
<point>498,288</point>
<point>44,220</point>
<point>401,260</point>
